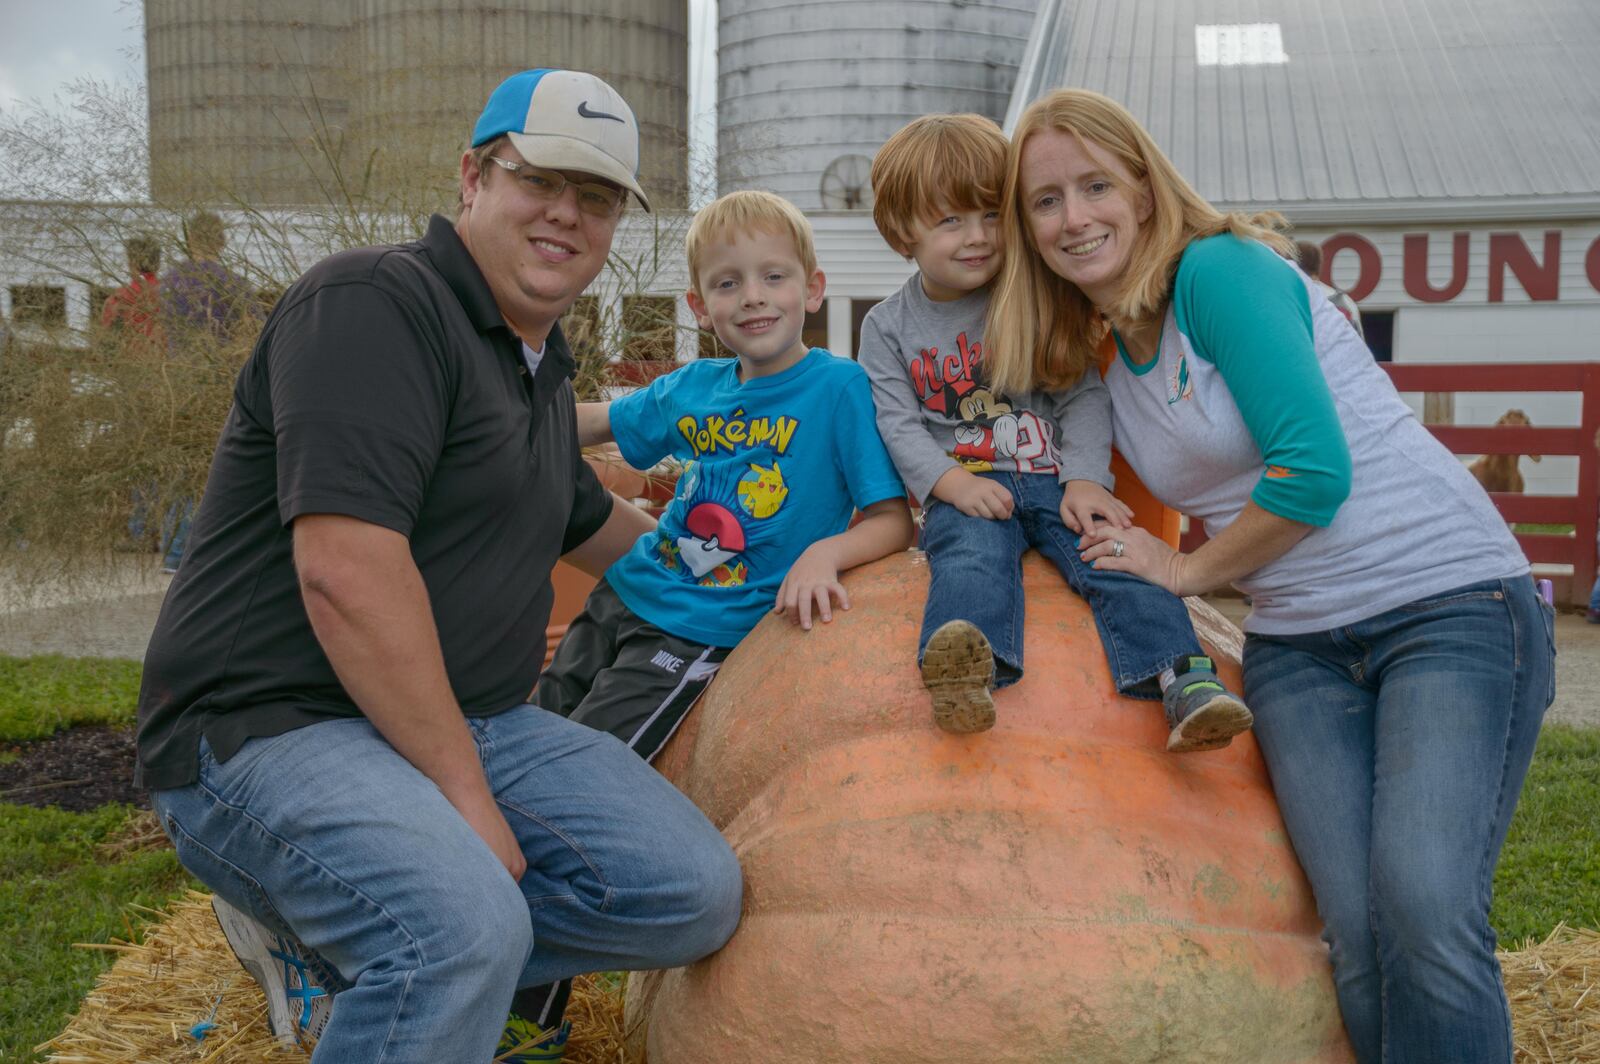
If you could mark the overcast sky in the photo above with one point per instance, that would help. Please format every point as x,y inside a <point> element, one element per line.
<point>45,46</point>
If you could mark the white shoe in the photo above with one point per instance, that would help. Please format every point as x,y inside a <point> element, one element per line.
<point>296,1005</point>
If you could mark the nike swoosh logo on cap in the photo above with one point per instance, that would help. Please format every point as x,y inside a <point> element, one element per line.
<point>583,110</point>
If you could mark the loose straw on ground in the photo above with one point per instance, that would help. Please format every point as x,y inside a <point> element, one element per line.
<point>144,1008</point>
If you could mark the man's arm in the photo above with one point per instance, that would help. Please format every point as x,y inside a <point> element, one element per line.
<point>885,527</point>
<point>370,611</point>
<point>594,424</point>
<point>611,540</point>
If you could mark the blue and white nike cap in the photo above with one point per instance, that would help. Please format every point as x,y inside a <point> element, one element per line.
<point>566,120</point>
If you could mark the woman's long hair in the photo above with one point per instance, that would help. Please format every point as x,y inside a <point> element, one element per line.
<point>1042,330</point>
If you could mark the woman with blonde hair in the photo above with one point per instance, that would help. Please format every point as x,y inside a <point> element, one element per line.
<point>1398,658</point>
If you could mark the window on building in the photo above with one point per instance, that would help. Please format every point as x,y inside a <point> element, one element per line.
<point>710,346</point>
<point>858,314</point>
<point>38,304</point>
<point>1378,328</point>
<point>649,328</point>
<point>581,324</point>
<point>814,333</point>
<point>1239,44</point>
<point>98,294</point>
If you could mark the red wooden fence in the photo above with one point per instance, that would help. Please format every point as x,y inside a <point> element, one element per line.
<point>1577,510</point>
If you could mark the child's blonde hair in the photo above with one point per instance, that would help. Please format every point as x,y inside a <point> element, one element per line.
<point>744,212</point>
<point>951,162</point>
<point>1042,331</point>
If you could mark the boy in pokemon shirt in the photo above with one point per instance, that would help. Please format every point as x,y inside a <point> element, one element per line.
<point>782,448</point>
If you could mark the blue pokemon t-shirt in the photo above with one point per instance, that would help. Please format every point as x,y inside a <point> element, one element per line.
<point>776,464</point>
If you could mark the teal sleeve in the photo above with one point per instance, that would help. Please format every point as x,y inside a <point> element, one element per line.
<point>1247,312</point>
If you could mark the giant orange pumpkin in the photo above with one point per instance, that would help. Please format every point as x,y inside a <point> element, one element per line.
<point>1057,889</point>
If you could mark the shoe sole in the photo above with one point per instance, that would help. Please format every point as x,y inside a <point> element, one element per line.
<point>957,667</point>
<point>254,952</point>
<point>1211,727</point>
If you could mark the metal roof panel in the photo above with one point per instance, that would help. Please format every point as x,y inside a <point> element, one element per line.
<point>1379,101</point>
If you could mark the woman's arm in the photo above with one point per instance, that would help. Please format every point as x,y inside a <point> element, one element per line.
<point>1257,537</point>
<point>1248,314</point>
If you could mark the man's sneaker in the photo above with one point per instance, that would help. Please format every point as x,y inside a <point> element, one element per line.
<point>1202,713</point>
<point>957,669</point>
<point>525,1042</point>
<point>296,1005</point>
<point>1592,616</point>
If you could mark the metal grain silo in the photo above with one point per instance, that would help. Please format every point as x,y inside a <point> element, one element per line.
<point>428,65</point>
<point>808,90</point>
<point>248,100</point>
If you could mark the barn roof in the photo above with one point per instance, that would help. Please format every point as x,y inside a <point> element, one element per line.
<point>1348,109</point>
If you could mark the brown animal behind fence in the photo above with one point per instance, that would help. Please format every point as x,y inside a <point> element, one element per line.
<point>1499,472</point>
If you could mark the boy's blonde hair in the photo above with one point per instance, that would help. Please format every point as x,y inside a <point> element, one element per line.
<point>1042,331</point>
<point>954,162</point>
<point>744,212</point>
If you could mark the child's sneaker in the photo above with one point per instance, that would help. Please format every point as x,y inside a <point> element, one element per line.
<point>296,1005</point>
<point>525,1042</point>
<point>957,669</point>
<point>1202,713</point>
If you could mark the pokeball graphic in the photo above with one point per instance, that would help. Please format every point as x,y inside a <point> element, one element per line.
<point>715,537</point>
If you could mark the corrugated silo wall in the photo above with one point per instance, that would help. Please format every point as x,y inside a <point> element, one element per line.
<point>241,95</point>
<point>803,82</point>
<point>428,67</point>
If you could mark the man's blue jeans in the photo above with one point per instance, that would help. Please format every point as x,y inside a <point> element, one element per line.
<point>976,576</point>
<point>328,833</point>
<point>1397,748</point>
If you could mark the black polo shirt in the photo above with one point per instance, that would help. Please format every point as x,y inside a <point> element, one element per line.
<point>385,386</point>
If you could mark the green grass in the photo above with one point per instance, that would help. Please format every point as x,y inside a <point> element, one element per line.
<point>41,695</point>
<point>1550,868</point>
<point>55,890</point>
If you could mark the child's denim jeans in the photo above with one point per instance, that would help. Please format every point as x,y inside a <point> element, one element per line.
<point>976,566</point>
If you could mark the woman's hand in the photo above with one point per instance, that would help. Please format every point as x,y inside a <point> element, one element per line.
<point>1140,553</point>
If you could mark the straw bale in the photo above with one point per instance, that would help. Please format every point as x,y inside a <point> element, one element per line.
<point>142,1009</point>
<point>1554,987</point>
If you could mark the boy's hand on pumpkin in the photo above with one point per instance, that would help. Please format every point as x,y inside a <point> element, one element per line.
<point>812,583</point>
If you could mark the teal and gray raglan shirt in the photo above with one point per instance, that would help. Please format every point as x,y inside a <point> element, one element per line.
<point>936,412</point>
<point>1262,391</point>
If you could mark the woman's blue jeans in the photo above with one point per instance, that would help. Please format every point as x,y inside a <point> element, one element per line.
<point>1397,748</point>
<point>326,832</point>
<point>976,575</point>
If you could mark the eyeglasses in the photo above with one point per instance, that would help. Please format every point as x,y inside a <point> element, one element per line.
<point>602,201</point>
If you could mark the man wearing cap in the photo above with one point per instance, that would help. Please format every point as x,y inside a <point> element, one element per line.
<point>333,718</point>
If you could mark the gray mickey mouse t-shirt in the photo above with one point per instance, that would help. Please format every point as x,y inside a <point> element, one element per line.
<point>935,411</point>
